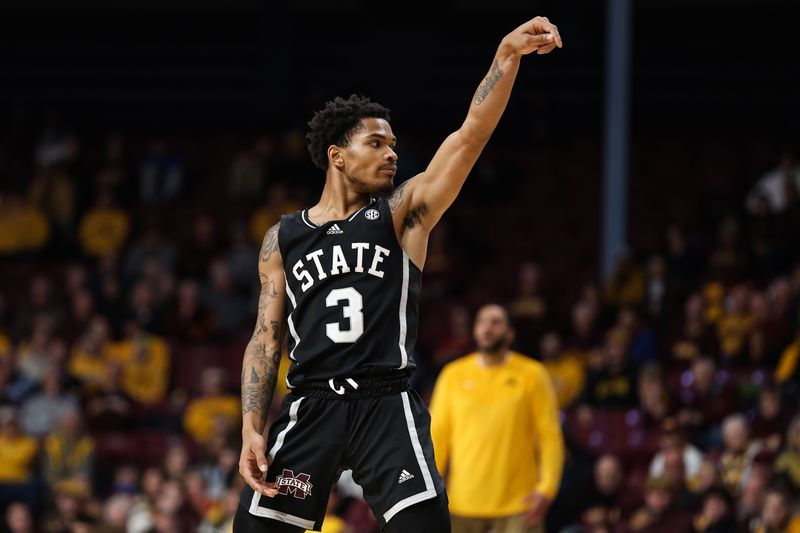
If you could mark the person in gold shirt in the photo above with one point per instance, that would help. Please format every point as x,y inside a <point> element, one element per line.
<point>214,411</point>
<point>104,228</point>
<point>145,361</point>
<point>496,433</point>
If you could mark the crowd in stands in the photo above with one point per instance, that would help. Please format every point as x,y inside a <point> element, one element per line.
<point>129,289</point>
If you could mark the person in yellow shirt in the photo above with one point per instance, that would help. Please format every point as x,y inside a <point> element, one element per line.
<point>496,433</point>
<point>90,355</point>
<point>565,368</point>
<point>215,411</point>
<point>23,228</point>
<point>145,363</point>
<point>18,452</point>
<point>104,228</point>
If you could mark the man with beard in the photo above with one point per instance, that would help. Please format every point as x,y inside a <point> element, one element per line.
<point>496,432</point>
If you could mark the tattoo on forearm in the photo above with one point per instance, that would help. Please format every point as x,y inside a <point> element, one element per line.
<point>270,244</point>
<point>262,356</point>
<point>396,198</point>
<point>495,73</point>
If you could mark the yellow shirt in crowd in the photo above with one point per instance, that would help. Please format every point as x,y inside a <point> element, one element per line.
<point>17,455</point>
<point>496,434</point>
<point>569,376</point>
<point>89,369</point>
<point>201,415</point>
<point>103,231</point>
<point>22,230</point>
<point>144,378</point>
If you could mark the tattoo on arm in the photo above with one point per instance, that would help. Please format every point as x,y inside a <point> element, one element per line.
<point>270,244</point>
<point>262,356</point>
<point>396,198</point>
<point>495,73</point>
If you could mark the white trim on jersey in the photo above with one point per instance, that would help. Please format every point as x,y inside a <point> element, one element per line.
<point>357,212</point>
<point>290,322</point>
<point>270,513</point>
<point>303,216</point>
<point>430,490</point>
<point>402,313</point>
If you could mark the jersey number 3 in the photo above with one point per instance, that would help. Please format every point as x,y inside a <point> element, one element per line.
<point>351,310</point>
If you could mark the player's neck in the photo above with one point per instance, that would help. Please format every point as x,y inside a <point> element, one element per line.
<point>337,202</point>
<point>495,358</point>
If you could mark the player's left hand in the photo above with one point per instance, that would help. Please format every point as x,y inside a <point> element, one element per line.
<point>538,504</point>
<point>537,35</point>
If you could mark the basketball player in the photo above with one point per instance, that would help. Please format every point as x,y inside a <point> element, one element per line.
<point>343,277</point>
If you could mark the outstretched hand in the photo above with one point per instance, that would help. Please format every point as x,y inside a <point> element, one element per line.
<point>253,464</point>
<point>537,35</point>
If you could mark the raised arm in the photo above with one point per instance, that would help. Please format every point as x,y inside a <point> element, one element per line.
<point>422,200</point>
<point>260,365</point>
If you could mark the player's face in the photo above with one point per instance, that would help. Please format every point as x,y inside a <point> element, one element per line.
<point>492,331</point>
<point>370,161</point>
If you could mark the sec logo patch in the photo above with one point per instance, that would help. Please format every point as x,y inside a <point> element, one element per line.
<point>372,214</point>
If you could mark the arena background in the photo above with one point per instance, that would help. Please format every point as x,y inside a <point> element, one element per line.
<point>133,304</point>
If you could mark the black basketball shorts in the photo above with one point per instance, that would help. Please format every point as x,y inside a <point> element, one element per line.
<point>384,439</point>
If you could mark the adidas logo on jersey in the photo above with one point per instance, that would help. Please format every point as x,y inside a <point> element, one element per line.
<point>334,230</point>
<point>405,475</point>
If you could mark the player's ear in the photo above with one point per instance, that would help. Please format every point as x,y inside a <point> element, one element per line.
<point>511,335</point>
<point>335,156</point>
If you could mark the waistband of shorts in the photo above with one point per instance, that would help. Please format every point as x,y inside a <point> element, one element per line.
<point>354,388</point>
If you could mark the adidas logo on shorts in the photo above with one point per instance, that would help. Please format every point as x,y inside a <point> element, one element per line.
<point>334,230</point>
<point>405,475</point>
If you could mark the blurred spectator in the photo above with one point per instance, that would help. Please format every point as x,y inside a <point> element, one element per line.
<point>777,514</point>
<point>770,419</point>
<point>152,244</point>
<point>161,174</point>
<point>738,455</point>
<point>276,203</point>
<point>251,169</point>
<point>112,177</point>
<point>189,321</point>
<point>458,339</point>
<point>14,385</point>
<point>626,286</point>
<point>655,405</point>
<point>660,298</point>
<point>608,491</point>
<point>529,308</point>
<point>104,228</point>
<point>494,416</point>
<point>224,300</point>
<point>53,191</point>
<point>81,311</point>
<point>705,400</point>
<point>214,411</point>
<point>140,515</point>
<point>23,228</point>
<point>735,325</point>
<point>660,513</point>
<point>109,408</point>
<point>40,305</point>
<point>115,513</point>
<point>772,185</point>
<point>585,334</point>
<point>69,452</point>
<point>19,519</point>
<point>241,256</point>
<point>642,345</point>
<point>18,460</point>
<point>90,355</point>
<point>41,351</point>
<point>694,337</point>
<point>716,515</point>
<point>674,443</point>
<point>566,369</point>
<point>143,311</point>
<point>145,363</point>
<point>200,249</point>
<point>727,261</point>
<point>787,465</point>
<point>613,383</point>
<point>41,412</point>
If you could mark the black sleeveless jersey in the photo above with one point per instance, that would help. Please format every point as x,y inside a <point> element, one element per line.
<point>351,296</point>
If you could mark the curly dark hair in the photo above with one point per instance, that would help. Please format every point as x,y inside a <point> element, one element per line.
<point>336,122</point>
